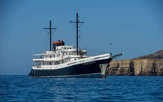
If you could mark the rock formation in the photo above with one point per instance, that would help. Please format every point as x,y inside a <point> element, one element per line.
<point>151,64</point>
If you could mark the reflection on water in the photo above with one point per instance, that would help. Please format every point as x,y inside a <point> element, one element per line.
<point>112,89</point>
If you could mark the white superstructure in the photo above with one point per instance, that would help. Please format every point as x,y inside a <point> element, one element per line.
<point>63,56</point>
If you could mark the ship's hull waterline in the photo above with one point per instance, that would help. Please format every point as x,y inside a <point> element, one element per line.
<point>80,70</point>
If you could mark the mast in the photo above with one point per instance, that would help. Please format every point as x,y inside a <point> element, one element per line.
<point>50,34</point>
<point>77,30</point>
<point>77,23</point>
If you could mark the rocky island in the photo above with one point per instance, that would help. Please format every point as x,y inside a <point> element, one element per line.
<point>149,65</point>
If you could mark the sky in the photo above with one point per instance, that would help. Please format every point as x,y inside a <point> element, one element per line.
<point>133,27</point>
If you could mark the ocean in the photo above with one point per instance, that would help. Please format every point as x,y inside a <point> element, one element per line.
<point>16,88</point>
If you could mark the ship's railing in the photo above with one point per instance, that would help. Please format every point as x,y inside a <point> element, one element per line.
<point>56,58</point>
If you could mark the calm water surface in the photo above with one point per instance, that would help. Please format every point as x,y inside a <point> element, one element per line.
<point>112,89</point>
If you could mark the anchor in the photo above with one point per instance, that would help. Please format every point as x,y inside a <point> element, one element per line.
<point>105,67</point>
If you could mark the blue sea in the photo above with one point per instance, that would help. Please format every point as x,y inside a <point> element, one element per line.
<point>15,88</point>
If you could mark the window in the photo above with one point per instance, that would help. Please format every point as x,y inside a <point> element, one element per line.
<point>57,62</point>
<point>50,63</point>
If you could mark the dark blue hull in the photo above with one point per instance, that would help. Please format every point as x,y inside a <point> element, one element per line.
<point>90,69</point>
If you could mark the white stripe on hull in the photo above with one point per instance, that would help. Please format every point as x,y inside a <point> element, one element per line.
<point>71,63</point>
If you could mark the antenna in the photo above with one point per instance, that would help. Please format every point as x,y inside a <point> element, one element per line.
<point>77,30</point>
<point>50,32</point>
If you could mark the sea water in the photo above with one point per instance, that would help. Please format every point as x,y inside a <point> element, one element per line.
<point>15,88</point>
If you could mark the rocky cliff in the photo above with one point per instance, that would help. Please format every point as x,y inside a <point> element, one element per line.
<point>155,55</point>
<point>151,64</point>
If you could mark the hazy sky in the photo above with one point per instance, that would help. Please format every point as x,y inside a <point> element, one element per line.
<point>132,26</point>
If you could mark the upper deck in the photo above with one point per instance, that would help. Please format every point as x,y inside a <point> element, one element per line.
<point>60,53</point>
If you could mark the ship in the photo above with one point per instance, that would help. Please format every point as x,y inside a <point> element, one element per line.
<point>63,60</point>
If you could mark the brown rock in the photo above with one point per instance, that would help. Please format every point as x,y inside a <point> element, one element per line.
<point>136,67</point>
